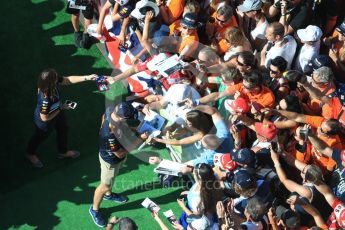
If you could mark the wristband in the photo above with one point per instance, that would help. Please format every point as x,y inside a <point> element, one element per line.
<point>85,78</point>
<point>277,165</point>
<point>196,102</point>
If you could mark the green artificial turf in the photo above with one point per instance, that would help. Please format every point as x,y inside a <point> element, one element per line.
<point>36,35</point>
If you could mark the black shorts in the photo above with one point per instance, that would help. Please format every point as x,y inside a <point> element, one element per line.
<point>88,12</point>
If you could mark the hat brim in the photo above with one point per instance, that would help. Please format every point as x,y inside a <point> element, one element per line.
<point>303,35</point>
<point>136,13</point>
<point>91,30</point>
<point>188,25</point>
<point>243,8</point>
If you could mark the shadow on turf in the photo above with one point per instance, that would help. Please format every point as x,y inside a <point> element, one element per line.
<point>27,51</point>
<point>131,205</point>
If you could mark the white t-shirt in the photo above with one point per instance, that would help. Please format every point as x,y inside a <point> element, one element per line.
<point>259,31</point>
<point>306,54</point>
<point>174,95</point>
<point>194,199</point>
<point>287,51</point>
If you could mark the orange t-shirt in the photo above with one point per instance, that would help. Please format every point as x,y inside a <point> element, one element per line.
<point>191,40</point>
<point>315,105</point>
<point>303,157</point>
<point>264,98</point>
<point>174,28</point>
<point>220,31</point>
<point>175,8</point>
<point>325,163</point>
<point>333,110</point>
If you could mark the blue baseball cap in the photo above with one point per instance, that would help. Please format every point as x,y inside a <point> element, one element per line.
<point>250,5</point>
<point>320,61</point>
<point>244,156</point>
<point>244,179</point>
<point>125,110</point>
<point>190,20</point>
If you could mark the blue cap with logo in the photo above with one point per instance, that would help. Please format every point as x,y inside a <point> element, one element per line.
<point>244,179</point>
<point>244,156</point>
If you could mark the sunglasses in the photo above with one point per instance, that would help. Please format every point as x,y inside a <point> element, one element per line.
<point>201,61</point>
<point>273,71</point>
<point>322,131</point>
<point>318,83</point>
<point>221,21</point>
<point>240,63</point>
<point>186,28</point>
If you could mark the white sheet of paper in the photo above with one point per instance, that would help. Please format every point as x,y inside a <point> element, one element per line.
<point>150,205</point>
<point>169,168</point>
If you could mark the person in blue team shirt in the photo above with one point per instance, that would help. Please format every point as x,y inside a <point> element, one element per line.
<point>247,186</point>
<point>113,136</point>
<point>49,114</point>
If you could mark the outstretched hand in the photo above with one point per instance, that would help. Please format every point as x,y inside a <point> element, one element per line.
<point>91,77</point>
<point>110,80</point>
<point>149,15</point>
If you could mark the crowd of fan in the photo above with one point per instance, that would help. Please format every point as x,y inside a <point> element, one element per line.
<point>261,90</point>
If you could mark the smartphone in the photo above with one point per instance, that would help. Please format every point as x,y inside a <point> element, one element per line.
<point>101,83</point>
<point>304,134</point>
<point>274,146</point>
<point>226,201</point>
<point>183,197</point>
<point>71,104</point>
<point>181,103</point>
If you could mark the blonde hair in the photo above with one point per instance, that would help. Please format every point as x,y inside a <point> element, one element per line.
<point>234,36</point>
<point>191,6</point>
<point>244,192</point>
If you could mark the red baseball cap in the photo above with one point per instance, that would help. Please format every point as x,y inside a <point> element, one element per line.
<point>239,105</point>
<point>224,161</point>
<point>266,129</point>
<point>339,212</point>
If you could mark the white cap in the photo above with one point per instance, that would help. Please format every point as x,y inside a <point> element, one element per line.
<point>310,34</point>
<point>140,5</point>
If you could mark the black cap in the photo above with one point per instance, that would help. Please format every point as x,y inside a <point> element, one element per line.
<point>125,110</point>
<point>289,217</point>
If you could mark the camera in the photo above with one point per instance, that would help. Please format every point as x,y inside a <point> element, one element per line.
<point>278,4</point>
<point>274,146</point>
<point>124,47</point>
<point>304,134</point>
